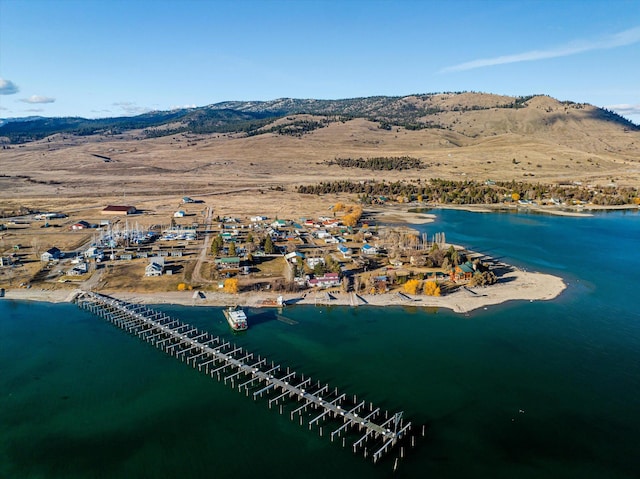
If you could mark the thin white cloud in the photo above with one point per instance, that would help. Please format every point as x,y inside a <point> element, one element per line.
<point>185,107</point>
<point>35,110</point>
<point>7,87</point>
<point>38,99</point>
<point>625,109</point>
<point>3,108</point>
<point>131,108</point>
<point>620,39</point>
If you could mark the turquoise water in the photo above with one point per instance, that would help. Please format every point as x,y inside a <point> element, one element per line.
<point>80,398</point>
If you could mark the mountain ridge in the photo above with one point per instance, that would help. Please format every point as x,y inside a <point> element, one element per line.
<point>420,111</point>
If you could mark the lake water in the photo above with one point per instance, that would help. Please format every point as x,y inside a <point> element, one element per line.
<point>80,398</point>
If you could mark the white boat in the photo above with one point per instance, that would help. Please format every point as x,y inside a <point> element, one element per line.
<point>236,318</point>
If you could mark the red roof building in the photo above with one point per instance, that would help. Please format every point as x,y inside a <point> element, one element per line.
<point>80,225</point>
<point>119,210</point>
<point>326,281</point>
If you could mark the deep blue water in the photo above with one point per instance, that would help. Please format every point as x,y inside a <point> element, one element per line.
<point>80,398</point>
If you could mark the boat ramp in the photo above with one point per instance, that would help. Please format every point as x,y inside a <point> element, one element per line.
<point>366,429</point>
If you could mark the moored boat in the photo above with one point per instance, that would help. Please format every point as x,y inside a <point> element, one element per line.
<point>236,318</point>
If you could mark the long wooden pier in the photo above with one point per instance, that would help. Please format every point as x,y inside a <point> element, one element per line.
<point>368,429</point>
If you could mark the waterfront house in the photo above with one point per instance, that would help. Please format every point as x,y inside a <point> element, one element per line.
<point>327,281</point>
<point>79,269</point>
<point>463,272</point>
<point>155,267</point>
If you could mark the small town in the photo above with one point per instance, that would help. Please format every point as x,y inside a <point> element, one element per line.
<point>122,248</point>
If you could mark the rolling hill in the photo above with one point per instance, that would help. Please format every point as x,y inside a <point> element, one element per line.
<point>284,143</point>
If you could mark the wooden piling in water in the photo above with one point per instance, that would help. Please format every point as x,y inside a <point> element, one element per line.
<point>196,348</point>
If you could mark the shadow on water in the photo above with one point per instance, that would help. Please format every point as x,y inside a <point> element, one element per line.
<point>293,301</point>
<point>261,317</point>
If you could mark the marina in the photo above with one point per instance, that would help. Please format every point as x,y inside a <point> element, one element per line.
<point>376,432</point>
<point>83,399</point>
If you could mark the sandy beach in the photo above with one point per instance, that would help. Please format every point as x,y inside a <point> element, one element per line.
<point>514,285</point>
<point>400,215</point>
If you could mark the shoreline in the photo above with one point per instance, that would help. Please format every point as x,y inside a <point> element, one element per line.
<point>515,285</point>
<point>574,211</point>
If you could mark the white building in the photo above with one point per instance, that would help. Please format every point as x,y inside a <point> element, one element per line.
<point>94,252</point>
<point>369,249</point>
<point>312,262</point>
<point>155,267</point>
<point>326,281</point>
<point>51,254</point>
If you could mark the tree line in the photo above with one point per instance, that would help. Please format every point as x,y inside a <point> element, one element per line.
<point>379,163</point>
<point>296,128</point>
<point>473,192</point>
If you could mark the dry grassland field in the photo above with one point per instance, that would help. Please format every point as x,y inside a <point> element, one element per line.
<point>241,176</point>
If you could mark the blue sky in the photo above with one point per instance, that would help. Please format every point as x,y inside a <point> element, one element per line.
<point>95,58</point>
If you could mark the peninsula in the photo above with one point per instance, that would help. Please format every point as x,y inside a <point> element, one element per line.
<point>305,199</point>
<point>377,260</point>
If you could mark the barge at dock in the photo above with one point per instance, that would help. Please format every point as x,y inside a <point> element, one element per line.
<point>236,318</point>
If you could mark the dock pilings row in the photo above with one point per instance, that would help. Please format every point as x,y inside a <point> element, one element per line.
<point>369,430</point>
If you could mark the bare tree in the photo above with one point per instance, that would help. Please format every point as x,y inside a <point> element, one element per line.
<point>35,245</point>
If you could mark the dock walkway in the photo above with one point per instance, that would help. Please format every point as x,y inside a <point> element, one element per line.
<point>377,432</point>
